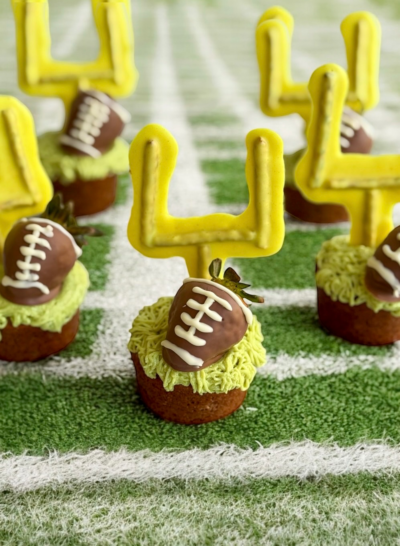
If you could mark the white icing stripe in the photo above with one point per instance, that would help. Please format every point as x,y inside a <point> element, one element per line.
<point>246,311</point>
<point>347,131</point>
<point>78,250</point>
<point>189,336</point>
<point>25,279</point>
<point>23,265</point>
<point>41,242</point>
<point>344,143</point>
<point>204,309</point>
<point>209,294</point>
<point>30,252</point>
<point>386,274</point>
<point>184,355</point>
<point>392,254</point>
<point>193,321</point>
<point>89,150</point>
<point>118,109</point>
<point>193,304</point>
<point>7,281</point>
<point>91,116</point>
<point>356,121</point>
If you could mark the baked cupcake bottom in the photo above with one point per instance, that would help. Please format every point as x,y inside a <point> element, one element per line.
<point>89,196</point>
<point>302,209</point>
<point>182,405</point>
<point>358,323</point>
<point>26,343</point>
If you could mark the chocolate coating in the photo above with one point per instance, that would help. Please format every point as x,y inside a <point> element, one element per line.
<point>225,334</point>
<point>58,262</point>
<point>95,121</point>
<point>375,283</point>
<point>355,133</point>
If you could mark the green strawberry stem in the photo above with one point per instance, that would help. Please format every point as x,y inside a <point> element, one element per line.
<point>231,280</point>
<point>63,214</point>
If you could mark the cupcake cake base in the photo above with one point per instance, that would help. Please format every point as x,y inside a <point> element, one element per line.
<point>191,397</point>
<point>28,343</point>
<point>182,405</point>
<point>89,196</point>
<point>346,308</point>
<point>357,324</point>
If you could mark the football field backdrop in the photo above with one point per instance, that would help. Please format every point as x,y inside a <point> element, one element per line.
<point>313,456</point>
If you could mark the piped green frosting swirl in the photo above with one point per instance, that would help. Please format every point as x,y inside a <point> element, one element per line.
<point>66,168</point>
<point>341,271</point>
<point>50,316</point>
<point>236,370</point>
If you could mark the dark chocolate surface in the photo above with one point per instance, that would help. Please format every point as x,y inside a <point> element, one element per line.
<point>225,334</point>
<point>374,282</point>
<point>53,270</point>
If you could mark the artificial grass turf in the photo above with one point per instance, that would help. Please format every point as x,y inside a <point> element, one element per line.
<point>226,180</point>
<point>95,257</point>
<point>293,267</point>
<point>213,119</point>
<point>82,346</point>
<point>353,509</point>
<point>296,331</point>
<point>80,414</point>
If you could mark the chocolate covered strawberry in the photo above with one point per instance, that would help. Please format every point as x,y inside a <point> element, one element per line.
<point>382,275</point>
<point>206,319</point>
<point>94,122</point>
<point>40,252</point>
<point>355,133</point>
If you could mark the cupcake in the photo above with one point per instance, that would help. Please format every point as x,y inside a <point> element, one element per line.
<point>359,290</point>
<point>84,160</point>
<point>355,138</point>
<point>42,284</point>
<point>196,354</point>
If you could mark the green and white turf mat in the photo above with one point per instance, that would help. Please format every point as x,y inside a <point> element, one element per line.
<point>313,457</point>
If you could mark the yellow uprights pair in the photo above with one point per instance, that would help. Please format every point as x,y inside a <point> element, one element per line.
<point>24,186</point>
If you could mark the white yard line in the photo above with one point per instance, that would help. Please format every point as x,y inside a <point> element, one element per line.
<point>225,462</point>
<point>285,366</point>
<point>110,358</point>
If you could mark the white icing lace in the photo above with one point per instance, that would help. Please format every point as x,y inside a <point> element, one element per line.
<point>28,276</point>
<point>352,122</point>
<point>195,323</point>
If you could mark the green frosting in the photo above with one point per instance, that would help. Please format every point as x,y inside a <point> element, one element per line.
<point>236,370</point>
<point>66,168</point>
<point>291,161</point>
<point>341,271</point>
<point>50,316</point>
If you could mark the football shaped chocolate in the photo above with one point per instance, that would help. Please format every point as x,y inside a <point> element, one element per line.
<point>40,252</point>
<point>94,122</point>
<point>382,276</point>
<point>206,319</point>
<point>355,133</point>
<point>38,255</point>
